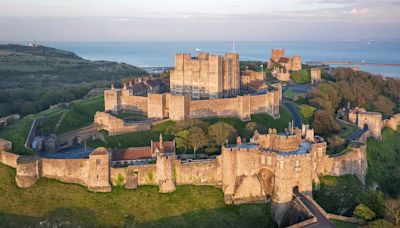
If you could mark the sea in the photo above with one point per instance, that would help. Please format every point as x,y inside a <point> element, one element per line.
<point>161,54</point>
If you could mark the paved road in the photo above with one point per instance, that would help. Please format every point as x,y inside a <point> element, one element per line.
<point>322,222</point>
<point>69,153</point>
<point>293,112</point>
<point>356,135</point>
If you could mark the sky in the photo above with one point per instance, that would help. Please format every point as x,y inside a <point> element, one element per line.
<point>201,20</point>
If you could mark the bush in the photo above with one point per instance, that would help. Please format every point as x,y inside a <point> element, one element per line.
<point>364,212</point>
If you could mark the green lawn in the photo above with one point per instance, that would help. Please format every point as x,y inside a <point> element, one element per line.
<point>264,119</point>
<point>292,95</point>
<point>142,138</point>
<point>52,203</point>
<point>301,76</point>
<point>383,162</point>
<point>341,224</point>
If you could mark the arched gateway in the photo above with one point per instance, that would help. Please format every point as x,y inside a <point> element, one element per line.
<point>267,181</point>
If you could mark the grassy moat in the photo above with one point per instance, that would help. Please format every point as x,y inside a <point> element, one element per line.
<point>49,203</point>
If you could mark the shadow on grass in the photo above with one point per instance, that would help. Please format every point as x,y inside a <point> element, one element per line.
<point>60,217</point>
<point>231,216</point>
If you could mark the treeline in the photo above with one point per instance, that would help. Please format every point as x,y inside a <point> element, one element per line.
<point>361,89</point>
<point>195,134</point>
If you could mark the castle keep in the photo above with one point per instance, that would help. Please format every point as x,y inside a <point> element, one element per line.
<point>206,86</point>
<point>207,76</point>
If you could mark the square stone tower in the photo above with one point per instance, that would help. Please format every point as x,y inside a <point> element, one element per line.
<point>207,76</point>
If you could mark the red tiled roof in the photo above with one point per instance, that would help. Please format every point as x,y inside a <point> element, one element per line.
<point>133,153</point>
<point>168,147</point>
<point>283,60</point>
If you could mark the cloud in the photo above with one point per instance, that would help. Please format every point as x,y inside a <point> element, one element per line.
<point>360,11</point>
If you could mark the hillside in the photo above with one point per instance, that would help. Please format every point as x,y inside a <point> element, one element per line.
<point>33,78</point>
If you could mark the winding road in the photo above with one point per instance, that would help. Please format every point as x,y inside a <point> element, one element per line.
<point>322,221</point>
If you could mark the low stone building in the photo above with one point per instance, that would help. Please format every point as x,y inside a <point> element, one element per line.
<point>249,76</point>
<point>281,74</point>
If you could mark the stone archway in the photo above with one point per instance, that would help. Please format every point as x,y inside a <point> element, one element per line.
<point>267,181</point>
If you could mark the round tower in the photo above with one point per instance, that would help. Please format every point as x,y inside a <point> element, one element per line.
<point>27,171</point>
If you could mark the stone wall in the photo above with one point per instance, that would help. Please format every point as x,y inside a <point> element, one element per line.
<point>215,107</point>
<point>146,174</point>
<point>393,122</point>
<point>66,170</point>
<point>116,126</point>
<point>8,158</point>
<point>5,145</point>
<point>352,162</point>
<point>198,172</point>
<point>177,107</point>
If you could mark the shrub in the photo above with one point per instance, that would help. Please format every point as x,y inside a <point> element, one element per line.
<point>364,212</point>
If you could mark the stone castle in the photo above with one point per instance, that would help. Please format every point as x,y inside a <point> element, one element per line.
<point>206,86</point>
<point>270,165</point>
<point>207,76</point>
<point>288,63</point>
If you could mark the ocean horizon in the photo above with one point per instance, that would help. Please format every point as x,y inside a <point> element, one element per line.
<point>161,54</point>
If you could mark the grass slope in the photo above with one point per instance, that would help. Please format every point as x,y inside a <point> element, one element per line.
<point>301,76</point>
<point>79,115</point>
<point>383,162</point>
<point>52,203</point>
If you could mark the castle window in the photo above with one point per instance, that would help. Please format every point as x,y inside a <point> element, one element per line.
<point>269,161</point>
<point>263,160</point>
<point>98,161</point>
<point>250,163</point>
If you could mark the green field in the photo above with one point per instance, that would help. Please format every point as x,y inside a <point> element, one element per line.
<point>301,76</point>
<point>51,203</point>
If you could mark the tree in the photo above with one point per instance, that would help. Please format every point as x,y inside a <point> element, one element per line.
<point>380,223</point>
<point>336,143</point>
<point>251,127</point>
<point>181,139</point>
<point>374,200</point>
<point>364,212</point>
<point>197,138</point>
<point>324,123</point>
<point>307,111</point>
<point>384,105</point>
<point>187,124</point>
<point>221,132</point>
<point>393,210</point>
